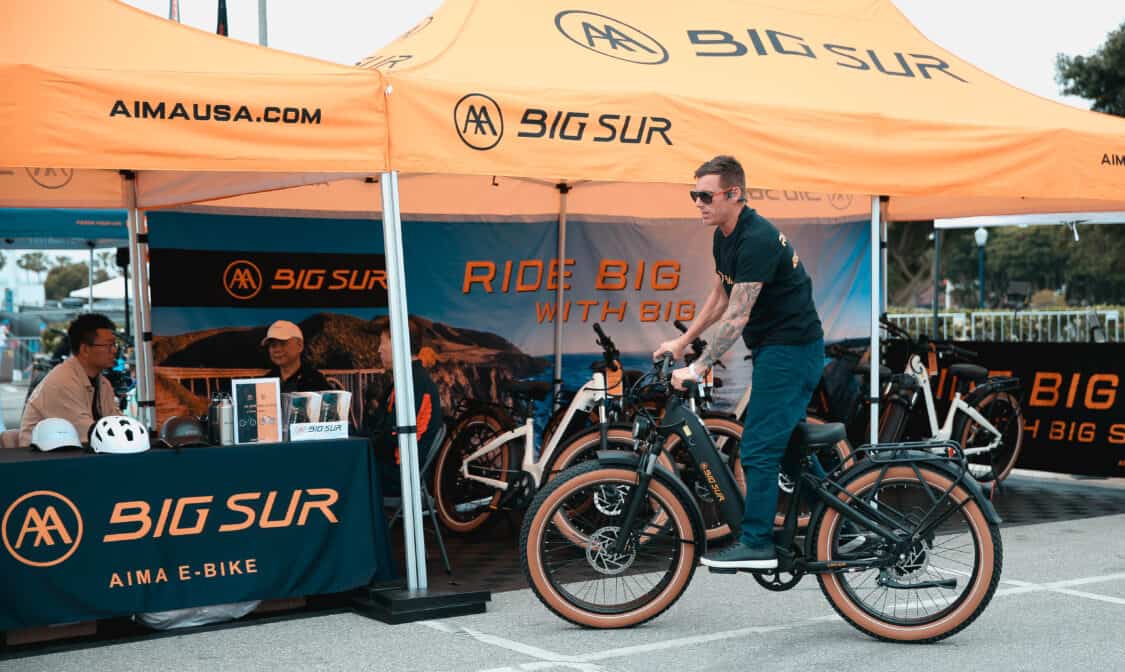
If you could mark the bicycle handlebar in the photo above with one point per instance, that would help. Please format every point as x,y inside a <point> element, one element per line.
<point>698,345</point>
<point>608,348</point>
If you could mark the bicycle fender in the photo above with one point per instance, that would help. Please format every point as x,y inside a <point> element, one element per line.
<point>948,469</point>
<point>630,460</point>
<point>1006,384</point>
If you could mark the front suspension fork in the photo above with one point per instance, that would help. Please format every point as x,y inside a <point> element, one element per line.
<point>633,506</point>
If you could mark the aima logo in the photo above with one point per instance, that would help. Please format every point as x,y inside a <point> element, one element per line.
<point>479,122</point>
<point>51,178</point>
<point>242,279</point>
<point>610,37</point>
<point>42,528</point>
<point>840,201</point>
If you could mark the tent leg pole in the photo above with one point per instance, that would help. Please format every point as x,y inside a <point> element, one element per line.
<point>403,384</point>
<point>876,302</point>
<point>564,189</point>
<point>883,296</point>
<point>90,286</point>
<point>145,379</point>
<point>937,280</point>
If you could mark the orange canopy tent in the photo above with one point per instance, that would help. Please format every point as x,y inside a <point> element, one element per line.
<point>821,95</point>
<point>94,86</point>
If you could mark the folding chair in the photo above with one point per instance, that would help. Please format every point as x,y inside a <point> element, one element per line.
<point>428,507</point>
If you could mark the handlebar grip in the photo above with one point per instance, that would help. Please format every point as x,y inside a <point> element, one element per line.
<point>665,364</point>
<point>680,325</point>
<point>598,331</point>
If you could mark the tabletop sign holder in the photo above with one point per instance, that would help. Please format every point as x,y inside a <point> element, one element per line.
<point>315,431</point>
<point>257,410</point>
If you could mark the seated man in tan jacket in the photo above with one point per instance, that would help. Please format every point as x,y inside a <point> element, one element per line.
<point>68,391</point>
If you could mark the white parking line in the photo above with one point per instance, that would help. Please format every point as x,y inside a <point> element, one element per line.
<point>551,660</point>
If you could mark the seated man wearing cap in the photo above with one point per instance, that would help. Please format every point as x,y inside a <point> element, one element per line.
<point>76,390</point>
<point>284,342</point>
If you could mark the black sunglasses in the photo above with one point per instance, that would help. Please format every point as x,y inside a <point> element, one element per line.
<point>707,196</point>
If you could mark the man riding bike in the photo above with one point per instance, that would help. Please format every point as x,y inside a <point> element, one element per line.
<point>763,293</point>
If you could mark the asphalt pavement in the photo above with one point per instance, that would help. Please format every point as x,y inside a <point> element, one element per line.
<point>1060,606</point>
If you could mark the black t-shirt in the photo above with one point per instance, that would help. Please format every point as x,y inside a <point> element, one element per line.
<point>307,379</point>
<point>757,252</point>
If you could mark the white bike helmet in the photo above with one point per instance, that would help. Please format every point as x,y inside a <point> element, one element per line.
<point>119,434</point>
<point>51,433</point>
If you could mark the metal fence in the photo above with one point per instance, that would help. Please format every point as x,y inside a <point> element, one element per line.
<point>203,382</point>
<point>1047,326</point>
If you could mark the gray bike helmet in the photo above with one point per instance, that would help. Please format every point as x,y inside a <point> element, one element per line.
<point>180,431</point>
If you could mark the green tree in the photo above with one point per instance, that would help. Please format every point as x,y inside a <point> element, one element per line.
<point>62,280</point>
<point>1099,77</point>
<point>33,262</point>
<point>107,261</point>
<point>910,259</point>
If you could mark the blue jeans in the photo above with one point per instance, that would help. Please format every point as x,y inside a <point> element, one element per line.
<point>783,382</point>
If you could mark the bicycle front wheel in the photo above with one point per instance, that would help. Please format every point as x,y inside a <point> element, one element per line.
<point>901,602</point>
<point>579,578</point>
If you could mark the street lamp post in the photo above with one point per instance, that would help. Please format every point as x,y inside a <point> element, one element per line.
<point>981,236</point>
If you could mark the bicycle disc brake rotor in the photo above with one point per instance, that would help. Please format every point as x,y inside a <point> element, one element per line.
<point>600,557</point>
<point>610,499</point>
<point>915,564</point>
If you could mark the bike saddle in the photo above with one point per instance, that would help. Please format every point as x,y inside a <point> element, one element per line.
<point>536,389</point>
<point>865,371</point>
<point>971,372</point>
<point>813,435</point>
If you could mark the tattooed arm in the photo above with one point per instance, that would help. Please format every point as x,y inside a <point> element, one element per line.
<point>713,308</point>
<point>743,296</point>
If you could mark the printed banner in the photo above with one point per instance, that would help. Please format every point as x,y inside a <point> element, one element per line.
<point>1074,415</point>
<point>95,536</point>
<point>267,279</point>
<point>482,288</point>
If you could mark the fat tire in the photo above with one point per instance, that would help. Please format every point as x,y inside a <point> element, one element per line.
<point>986,575</point>
<point>533,528</point>
<point>499,421</point>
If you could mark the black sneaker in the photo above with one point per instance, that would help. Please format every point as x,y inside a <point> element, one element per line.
<point>740,556</point>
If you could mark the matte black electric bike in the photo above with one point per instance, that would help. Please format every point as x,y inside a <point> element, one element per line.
<point>904,544</point>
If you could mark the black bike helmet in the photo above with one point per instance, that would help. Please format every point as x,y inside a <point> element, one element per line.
<point>180,431</point>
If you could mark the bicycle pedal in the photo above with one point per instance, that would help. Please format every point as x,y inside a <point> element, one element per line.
<point>722,570</point>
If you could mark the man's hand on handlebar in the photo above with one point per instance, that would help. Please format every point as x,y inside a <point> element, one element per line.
<point>681,376</point>
<point>674,346</point>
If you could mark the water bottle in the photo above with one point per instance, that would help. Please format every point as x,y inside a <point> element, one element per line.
<point>214,422</point>
<point>226,420</point>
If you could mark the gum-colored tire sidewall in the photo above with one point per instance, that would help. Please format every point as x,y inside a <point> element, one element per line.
<point>684,569</point>
<point>458,526</point>
<point>985,568</point>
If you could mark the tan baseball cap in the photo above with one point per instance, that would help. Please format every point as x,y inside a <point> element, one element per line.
<point>283,330</point>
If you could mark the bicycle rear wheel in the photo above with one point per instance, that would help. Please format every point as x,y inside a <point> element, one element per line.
<point>1002,410</point>
<point>964,547</point>
<point>579,579</point>
<point>462,504</point>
